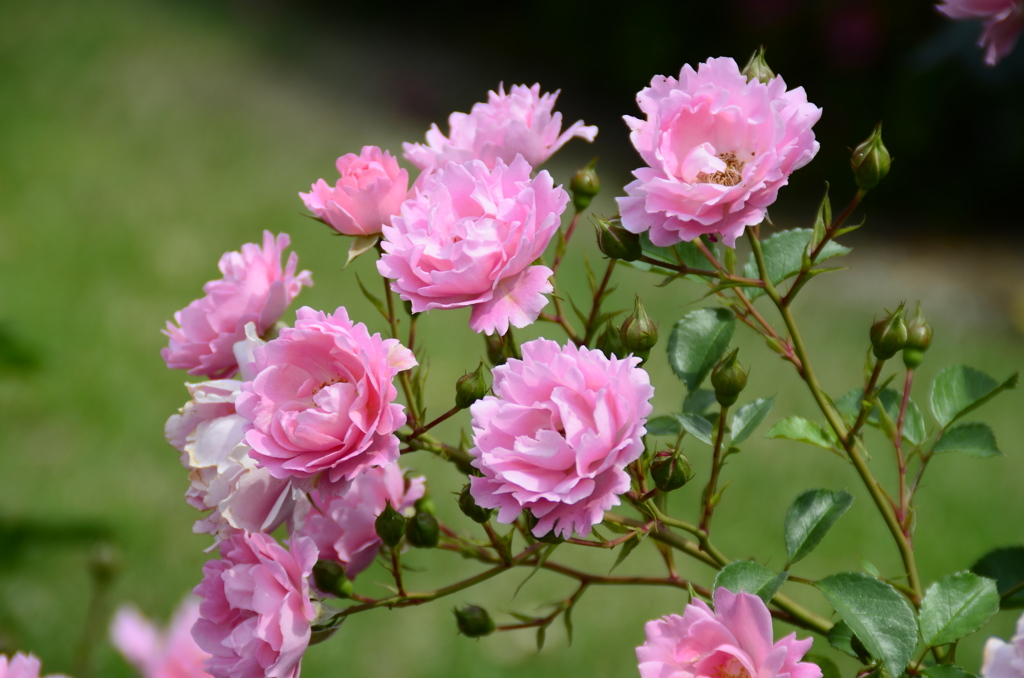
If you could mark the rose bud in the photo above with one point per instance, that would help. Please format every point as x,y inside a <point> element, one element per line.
<point>671,471</point>
<point>889,335</point>
<point>616,242</point>
<point>474,511</point>
<point>330,578</point>
<point>919,338</point>
<point>870,161</point>
<point>757,67</point>
<point>729,379</point>
<point>423,531</point>
<point>473,621</point>
<point>585,185</point>
<point>390,525</point>
<point>638,332</point>
<point>471,387</point>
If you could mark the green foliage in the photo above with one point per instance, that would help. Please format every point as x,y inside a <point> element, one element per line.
<point>810,517</point>
<point>959,389</point>
<point>879,616</point>
<point>697,426</point>
<point>1006,566</point>
<point>749,417</point>
<point>957,605</point>
<point>974,439</point>
<point>752,577</point>
<point>698,341</point>
<point>947,671</point>
<point>914,431</point>
<point>784,256</point>
<point>827,666</point>
<point>803,431</point>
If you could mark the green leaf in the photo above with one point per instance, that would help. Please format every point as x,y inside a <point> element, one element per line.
<point>810,517</point>
<point>746,575</point>
<point>360,245</point>
<point>822,220</point>
<point>664,425</point>
<point>748,418</point>
<point>803,431</point>
<point>827,666</point>
<point>627,548</point>
<point>542,633</point>
<point>959,389</point>
<point>890,399</point>
<point>1006,566</point>
<point>841,637</point>
<point>697,426</point>
<point>975,439</point>
<point>783,256</point>
<point>697,342</point>
<point>684,253</point>
<point>947,671</point>
<point>878,615</point>
<point>957,605</point>
<point>698,401</point>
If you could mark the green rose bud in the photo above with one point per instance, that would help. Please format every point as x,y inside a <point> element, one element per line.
<point>585,185</point>
<point>474,511</point>
<point>870,160</point>
<point>473,621</point>
<point>616,242</point>
<point>639,333</point>
<point>670,471</point>
<point>471,387</point>
<point>390,525</point>
<point>610,343</point>
<point>757,67</point>
<point>729,379</point>
<point>423,531</point>
<point>330,578</point>
<point>919,338</point>
<point>889,335</point>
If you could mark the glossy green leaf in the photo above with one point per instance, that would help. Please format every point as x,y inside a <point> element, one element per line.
<point>913,425</point>
<point>878,615</point>
<point>841,637</point>
<point>697,343</point>
<point>783,256</point>
<point>947,671</point>
<point>827,666</point>
<point>360,245</point>
<point>975,439</point>
<point>748,418</point>
<point>959,389</point>
<point>810,517</point>
<point>752,577</point>
<point>803,431</point>
<point>664,425</point>
<point>697,426</point>
<point>957,605</point>
<point>1006,566</point>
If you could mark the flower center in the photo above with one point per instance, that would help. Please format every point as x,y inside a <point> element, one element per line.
<point>730,176</point>
<point>337,380</point>
<point>731,669</point>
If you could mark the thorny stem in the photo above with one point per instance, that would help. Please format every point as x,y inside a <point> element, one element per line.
<point>396,566</point>
<point>716,467</point>
<point>867,396</point>
<point>595,308</point>
<point>901,463</point>
<point>560,320</point>
<point>850,443</point>
<point>426,427</point>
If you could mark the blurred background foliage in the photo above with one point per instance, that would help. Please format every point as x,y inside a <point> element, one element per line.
<point>140,139</point>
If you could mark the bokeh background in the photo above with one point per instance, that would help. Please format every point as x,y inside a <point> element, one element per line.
<point>141,139</point>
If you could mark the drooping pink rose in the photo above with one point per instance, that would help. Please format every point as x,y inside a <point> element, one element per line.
<point>1004,21</point>
<point>734,641</point>
<point>321,404</point>
<point>343,526</point>
<point>517,123</point>
<point>718,148</point>
<point>469,238</point>
<point>22,666</point>
<point>255,614</point>
<point>555,438</point>
<point>1005,659</point>
<point>255,288</point>
<point>371,189</point>
<point>169,654</point>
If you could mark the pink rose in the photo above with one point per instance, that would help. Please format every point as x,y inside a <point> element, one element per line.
<point>155,654</point>
<point>343,526</point>
<point>321,405</point>
<point>555,440</point>
<point>254,289</point>
<point>469,238</point>
<point>1005,659</point>
<point>21,666</point>
<point>718,149</point>
<point>517,123</point>
<point>371,189</point>
<point>734,640</point>
<point>1004,20</point>
<point>255,614</point>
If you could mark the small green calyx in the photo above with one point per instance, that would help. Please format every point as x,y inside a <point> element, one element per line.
<point>610,342</point>
<point>638,332</point>
<point>870,160</point>
<point>757,67</point>
<point>729,379</point>
<point>919,338</point>
<point>889,335</point>
<point>330,578</point>
<point>471,387</point>
<point>390,525</point>
<point>585,185</point>
<point>671,470</point>
<point>473,621</point>
<point>473,511</point>
<point>616,242</point>
<point>423,531</point>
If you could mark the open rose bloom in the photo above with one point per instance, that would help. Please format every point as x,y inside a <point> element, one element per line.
<point>555,438</point>
<point>718,148</point>
<point>733,641</point>
<point>1004,21</point>
<point>470,237</point>
<point>22,666</point>
<point>520,122</point>
<point>371,189</point>
<point>160,654</point>
<point>255,288</point>
<point>1005,659</point>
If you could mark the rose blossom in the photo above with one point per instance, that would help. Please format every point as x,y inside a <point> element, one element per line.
<point>343,526</point>
<point>171,654</point>
<point>718,149</point>
<point>255,288</point>
<point>1005,659</point>
<point>255,613</point>
<point>371,189</point>
<point>557,434</point>
<point>1004,20</point>
<point>469,238</point>
<point>320,406</point>
<point>734,641</point>
<point>517,123</point>
<point>21,666</point>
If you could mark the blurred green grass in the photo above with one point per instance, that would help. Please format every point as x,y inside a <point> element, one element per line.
<point>142,139</point>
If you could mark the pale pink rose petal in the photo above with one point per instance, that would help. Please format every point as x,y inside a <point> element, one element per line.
<point>1005,659</point>
<point>169,654</point>
<point>22,666</point>
<point>1004,21</point>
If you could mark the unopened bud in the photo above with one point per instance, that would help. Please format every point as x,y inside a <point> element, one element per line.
<point>330,578</point>
<point>423,531</point>
<point>671,470</point>
<point>495,349</point>
<point>919,338</point>
<point>889,335</point>
<point>390,525</point>
<point>471,387</point>
<point>610,343</point>
<point>585,185</point>
<point>729,379</point>
<point>757,67</point>
<point>473,621</point>
<point>104,562</point>
<point>870,161</point>
<point>474,511</point>
<point>616,242</point>
<point>638,332</point>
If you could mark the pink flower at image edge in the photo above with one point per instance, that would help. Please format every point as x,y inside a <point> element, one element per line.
<point>1004,659</point>
<point>1004,21</point>
<point>22,666</point>
<point>171,654</point>
<point>733,640</point>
